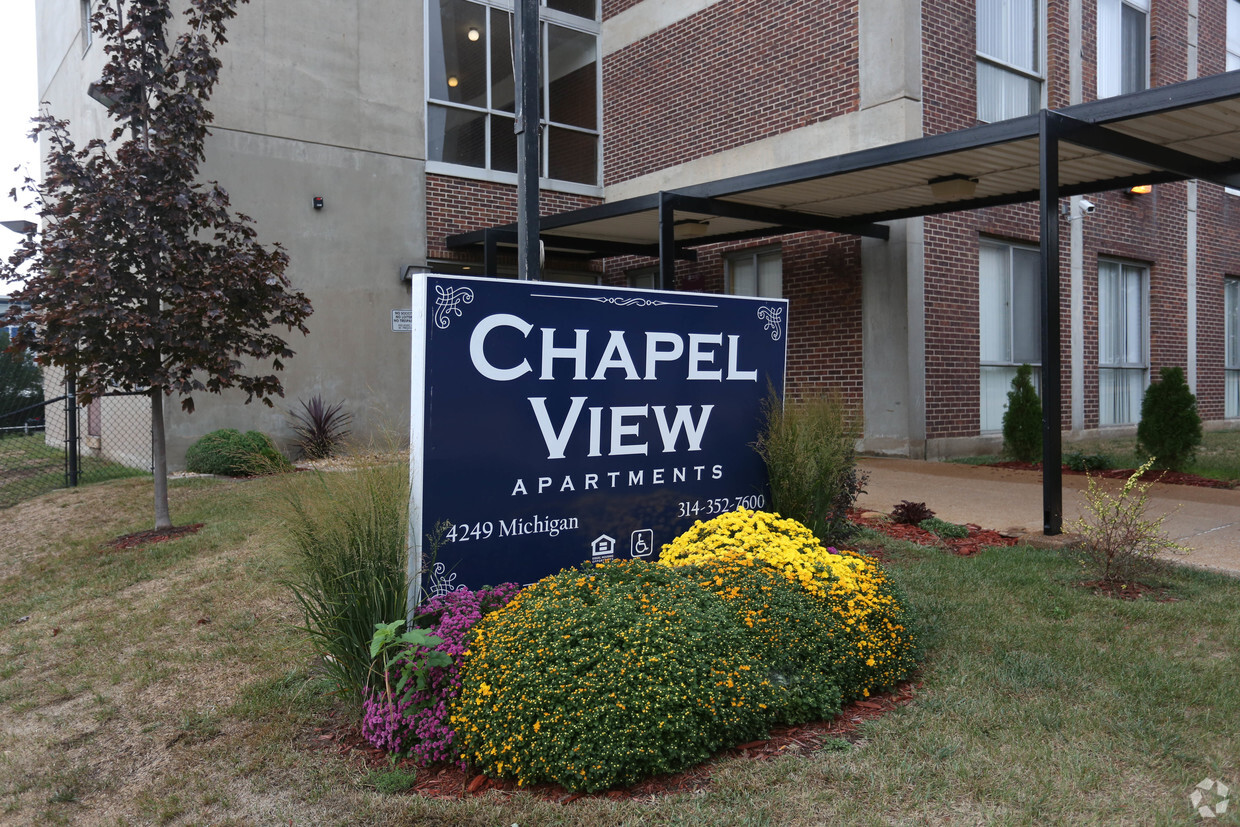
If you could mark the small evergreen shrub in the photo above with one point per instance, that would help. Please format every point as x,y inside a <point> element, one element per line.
<point>1022,421</point>
<point>230,453</point>
<point>1081,461</point>
<point>419,725</point>
<point>879,649</point>
<point>942,528</point>
<point>320,428</point>
<point>910,512</point>
<point>606,675</point>
<point>1170,427</point>
<point>797,636</point>
<point>810,456</point>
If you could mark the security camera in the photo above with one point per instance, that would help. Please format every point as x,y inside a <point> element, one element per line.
<point>1088,207</point>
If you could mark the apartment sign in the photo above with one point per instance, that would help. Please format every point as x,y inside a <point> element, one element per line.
<point>555,423</point>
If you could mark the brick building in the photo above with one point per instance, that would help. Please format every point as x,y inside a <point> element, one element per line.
<point>412,148</point>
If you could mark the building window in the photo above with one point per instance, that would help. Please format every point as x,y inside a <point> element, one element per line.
<point>1122,360</point>
<point>644,278</point>
<point>1123,46</point>
<point>87,34</point>
<point>1231,310</point>
<point>1233,34</point>
<point>755,273</point>
<point>1009,323</point>
<point>1009,65</point>
<point>470,113</point>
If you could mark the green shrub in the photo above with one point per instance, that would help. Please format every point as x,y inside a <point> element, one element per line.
<point>230,453</point>
<point>349,532</point>
<point>1022,421</point>
<point>810,456</point>
<point>798,637</point>
<point>942,528</point>
<point>1170,428</point>
<point>608,675</point>
<point>1081,461</point>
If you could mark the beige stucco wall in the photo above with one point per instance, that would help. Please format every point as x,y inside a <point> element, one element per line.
<point>316,98</point>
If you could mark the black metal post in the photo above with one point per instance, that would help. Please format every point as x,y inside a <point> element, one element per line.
<point>525,30</point>
<point>71,429</point>
<point>667,242</point>
<point>1052,472</point>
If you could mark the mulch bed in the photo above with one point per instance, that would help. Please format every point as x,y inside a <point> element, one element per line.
<point>152,536</point>
<point>978,539</point>
<point>1131,590</point>
<point>451,782</point>
<point>1168,477</point>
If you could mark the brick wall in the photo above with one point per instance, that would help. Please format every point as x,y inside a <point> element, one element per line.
<point>460,205</point>
<point>735,72</point>
<point>822,282</point>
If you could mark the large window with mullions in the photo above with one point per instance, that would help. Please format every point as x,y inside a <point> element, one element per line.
<point>470,113</point>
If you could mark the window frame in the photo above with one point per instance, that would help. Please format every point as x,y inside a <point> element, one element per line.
<point>88,35</point>
<point>753,254</point>
<point>1009,367</point>
<point>1231,347</point>
<point>546,16</point>
<point>1110,47</point>
<point>1037,75</point>
<point>1143,366</point>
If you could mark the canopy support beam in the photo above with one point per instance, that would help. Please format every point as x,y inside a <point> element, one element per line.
<point>1049,127</point>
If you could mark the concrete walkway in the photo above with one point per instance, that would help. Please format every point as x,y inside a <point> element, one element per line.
<point>1207,520</point>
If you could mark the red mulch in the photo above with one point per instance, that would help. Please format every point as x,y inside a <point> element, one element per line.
<point>978,539</point>
<point>1131,590</point>
<point>1168,477</point>
<point>154,535</point>
<point>451,782</point>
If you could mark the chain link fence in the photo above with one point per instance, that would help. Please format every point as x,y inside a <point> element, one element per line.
<point>58,443</point>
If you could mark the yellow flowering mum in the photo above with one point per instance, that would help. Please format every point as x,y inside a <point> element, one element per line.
<point>879,650</point>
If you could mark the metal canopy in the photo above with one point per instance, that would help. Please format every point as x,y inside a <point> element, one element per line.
<point>1172,133</point>
<point>1187,130</point>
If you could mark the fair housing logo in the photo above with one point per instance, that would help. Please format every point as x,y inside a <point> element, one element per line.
<point>1210,798</point>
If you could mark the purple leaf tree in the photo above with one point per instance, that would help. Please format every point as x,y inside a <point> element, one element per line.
<point>141,276</point>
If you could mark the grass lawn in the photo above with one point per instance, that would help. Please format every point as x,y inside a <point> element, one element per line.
<point>30,467</point>
<point>1218,458</point>
<point>164,685</point>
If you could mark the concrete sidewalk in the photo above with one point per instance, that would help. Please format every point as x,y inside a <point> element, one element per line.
<point>1207,520</point>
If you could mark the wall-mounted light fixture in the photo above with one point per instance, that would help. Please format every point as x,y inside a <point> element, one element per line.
<point>95,92</point>
<point>473,34</point>
<point>19,226</point>
<point>1141,189</point>
<point>953,187</point>
<point>691,228</point>
<point>453,81</point>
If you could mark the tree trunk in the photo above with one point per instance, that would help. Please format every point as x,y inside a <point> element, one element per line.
<point>159,459</point>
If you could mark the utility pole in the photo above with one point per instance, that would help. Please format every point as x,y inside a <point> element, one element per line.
<point>525,29</point>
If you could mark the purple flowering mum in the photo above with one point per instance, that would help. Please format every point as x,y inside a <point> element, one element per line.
<point>419,726</point>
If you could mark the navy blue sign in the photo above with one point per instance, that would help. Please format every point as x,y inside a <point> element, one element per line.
<point>554,423</point>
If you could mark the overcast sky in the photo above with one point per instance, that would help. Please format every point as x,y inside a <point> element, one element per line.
<point>19,101</point>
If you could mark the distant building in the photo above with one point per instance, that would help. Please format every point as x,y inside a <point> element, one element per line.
<point>399,116</point>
